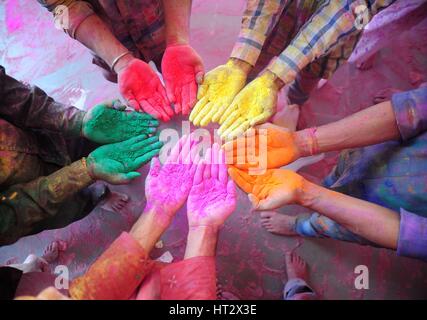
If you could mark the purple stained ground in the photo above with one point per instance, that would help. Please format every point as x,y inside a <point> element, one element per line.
<point>250,260</point>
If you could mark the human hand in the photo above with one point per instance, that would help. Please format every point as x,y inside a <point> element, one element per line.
<point>217,91</point>
<point>182,70</point>
<point>167,187</point>
<point>275,188</point>
<point>253,105</point>
<point>276,144</point>
<point>213,196</point>
<point>142,89</point>
<point>116,163</point>
<point>105,124</point>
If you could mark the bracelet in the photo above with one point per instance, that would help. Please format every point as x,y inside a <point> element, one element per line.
<point>118,59</point>
<point>314,146</point>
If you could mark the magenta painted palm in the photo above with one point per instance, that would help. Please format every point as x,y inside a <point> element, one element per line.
<point>212,198</point>
<point>167,187</point>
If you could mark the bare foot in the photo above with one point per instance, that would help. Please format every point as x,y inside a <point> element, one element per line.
<point>278,223</point>
<point>296,267</point>
<point>115,201</point>
<point>385,95</point>
<point>51,252</point>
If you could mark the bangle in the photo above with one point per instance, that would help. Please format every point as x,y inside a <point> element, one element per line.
<point>115,61</point>
<point>314,146</point>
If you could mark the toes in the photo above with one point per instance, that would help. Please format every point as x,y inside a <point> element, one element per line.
<point>266,214</point>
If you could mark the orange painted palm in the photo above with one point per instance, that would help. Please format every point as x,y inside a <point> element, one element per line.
<point>271,190</point>
<point>264,147</point>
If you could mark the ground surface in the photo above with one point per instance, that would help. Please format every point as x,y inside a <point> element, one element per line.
<point>250,260</point>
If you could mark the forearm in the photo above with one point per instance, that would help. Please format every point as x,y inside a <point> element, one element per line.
<point>24,206</point>
<point>177,20</point>
<point>95,35</point>
<point>370,221</point>
<point>201,242</point>
<point>148,229</point>
<point>370,126</point>
<point>31,107</point>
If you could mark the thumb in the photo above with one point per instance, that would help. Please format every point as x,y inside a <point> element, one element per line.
<point>154,167</point>
<point>199,76</point>
<point>125,178</point>
<point>254,201</point>
<point>267,204</point>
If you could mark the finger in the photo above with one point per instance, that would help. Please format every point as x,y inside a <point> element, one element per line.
<point>267,204</point>
<point>240,130</point>
<point>193,94</point>
<point>178,100</point>
<point>227,123</point>
<point>259,119</point>
<point>185,94</point>
<point>175,152</point>
<point>203,90</point>
<point>164,99</point>
<point>233,126</point>
<point>202,113</point>
<point>148,108</point>
<point>150,123</point>
<point>208,161</point>
<point>254,201</point>
<point>195,163</point>
<point>240,178</point>
<point>197,108</point>
<point>220,109</point>
<point>132,141</point>
<point>185,150</point>
<point>125,178</point>
<point>143,116</point>
<point>170,92</point>
<point>138,162</point>
<point>227,112</point>
<point>143,143</point>
<point>155,167</point>
<point>198,176</point>
<point>156,103</point>
<point>231,191</point>
<point>222,168</point>
<point>132,102</point>
<point>215,161</point>
<point>208,115</point>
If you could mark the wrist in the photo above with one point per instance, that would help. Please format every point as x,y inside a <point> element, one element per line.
<point>122,63</point>
<point>308,194</point>
<point>273,79</point>
<point>244,66</point>
<point>306,142</point>
<point>162,214</point>
<point>201,241</point>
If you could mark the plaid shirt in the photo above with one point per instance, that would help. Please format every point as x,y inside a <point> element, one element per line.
<point>138,25</point>
<point>330,23</point>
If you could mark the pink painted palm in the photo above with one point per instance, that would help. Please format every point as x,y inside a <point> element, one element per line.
<point>167,187</point>
<point>212,198</point>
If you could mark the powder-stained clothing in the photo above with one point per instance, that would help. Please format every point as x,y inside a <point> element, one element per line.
<point>302,40</point>
<point>119,272</point>
<point>40,185</point>
<point>298,289</point>
<point>139,25</point>
<point>391,174</point>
